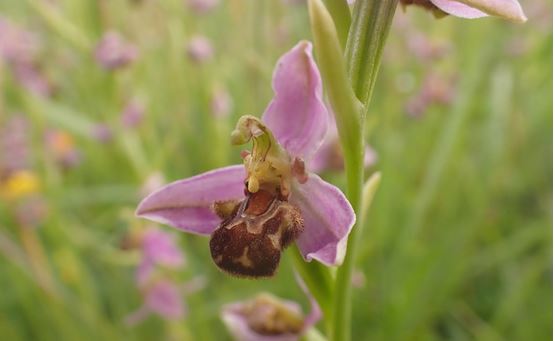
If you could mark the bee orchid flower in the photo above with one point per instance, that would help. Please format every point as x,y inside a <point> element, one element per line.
<point>254,210</point>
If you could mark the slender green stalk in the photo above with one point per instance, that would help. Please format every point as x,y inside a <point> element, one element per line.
<point>369,29</point>
<point>348,113</point>
<point>367,36</point>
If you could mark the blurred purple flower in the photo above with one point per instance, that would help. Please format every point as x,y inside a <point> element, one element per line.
<point>133,114</point>
<point>434,90</point>
<point>162,297</point>
<point>358,279</point>
<point>31,78</point>
<point>202,6</point>
<point>158,249</point>
<point>317,213</point>
<point>268,318</point>
<point>199,49</point>
<point>471,9</point>
<point>221,103</point>
<point>113,52</point>
<point>16,44</point>
<point>329,156</point>
<point>14,145</point>
<point>19,49</point>
<point>102,133</point>
<point>423,47</point>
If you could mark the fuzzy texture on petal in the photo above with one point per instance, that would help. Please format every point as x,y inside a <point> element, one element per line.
<point>186,204</point>
<point>297,115</point>
<point>328,219</point>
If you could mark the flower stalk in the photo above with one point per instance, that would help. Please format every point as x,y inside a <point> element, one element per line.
<point>349,92</point>
<point>369,29</point>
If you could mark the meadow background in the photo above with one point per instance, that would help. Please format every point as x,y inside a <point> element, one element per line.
<point>459,241</point>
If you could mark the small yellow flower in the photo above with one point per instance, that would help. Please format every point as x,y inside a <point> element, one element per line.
<point>19,184</point>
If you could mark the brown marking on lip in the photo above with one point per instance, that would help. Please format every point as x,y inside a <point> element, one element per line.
<point>249,243</point>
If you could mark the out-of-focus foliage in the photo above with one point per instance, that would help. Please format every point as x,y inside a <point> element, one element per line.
<point>458,242</point>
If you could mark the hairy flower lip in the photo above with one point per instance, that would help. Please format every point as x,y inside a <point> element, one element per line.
<point>298,119</point>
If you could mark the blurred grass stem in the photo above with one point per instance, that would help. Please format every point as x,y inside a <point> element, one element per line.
<point>37,259</point>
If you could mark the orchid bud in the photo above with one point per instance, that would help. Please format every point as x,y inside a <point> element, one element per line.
<point>264,318</point>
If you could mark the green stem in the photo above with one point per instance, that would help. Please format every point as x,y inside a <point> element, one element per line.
<point>342,299</point>
<point>341,14</point>
<point>368,32</point>
<point>369,29</point>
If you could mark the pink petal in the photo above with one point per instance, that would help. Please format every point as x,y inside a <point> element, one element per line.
<point>185,204</point>
<point>328,219</point>
<point>458,9</point>
<point>297,115</point>
<point>164,299</point>
<point>507,9</point>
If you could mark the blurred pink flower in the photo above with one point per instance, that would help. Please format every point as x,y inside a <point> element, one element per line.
<point>434,90</point>
<point>221,103</point>
<point>31,78</point>
<point>329,156</point>
<point>14,145</point>
<point>158,249</point>
<point>132,114</point>
<point>19,48</point>
<point>113,52</point>
<point>161,297</point>
<point>102,133</point>
<point>16,44</point>
<point>199,49</point>
<point>202,6</point>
